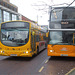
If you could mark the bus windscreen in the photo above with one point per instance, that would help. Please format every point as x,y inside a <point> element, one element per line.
<point>15,33</point>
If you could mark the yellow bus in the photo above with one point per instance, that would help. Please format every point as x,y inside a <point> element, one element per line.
<point>61,40</point>
<point>21,38</point>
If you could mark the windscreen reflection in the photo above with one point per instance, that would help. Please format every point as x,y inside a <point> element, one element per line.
<point>14,37</point>
<point>15,33</point>
<point>61,37</point>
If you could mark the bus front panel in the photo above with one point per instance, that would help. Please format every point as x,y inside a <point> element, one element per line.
<point>62,43</point>
<point>15,40</point>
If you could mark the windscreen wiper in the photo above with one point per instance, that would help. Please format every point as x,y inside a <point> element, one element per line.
<point>60,42</point>
<point>56,43</point>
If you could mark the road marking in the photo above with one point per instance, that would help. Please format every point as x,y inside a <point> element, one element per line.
<point>41,68</point>
<point>70,71</point>
<point>46,61</point>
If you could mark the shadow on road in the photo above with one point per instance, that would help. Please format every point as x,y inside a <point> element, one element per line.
<point>56,58</point>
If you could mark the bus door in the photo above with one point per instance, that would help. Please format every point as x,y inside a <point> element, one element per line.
<point>33,43</point>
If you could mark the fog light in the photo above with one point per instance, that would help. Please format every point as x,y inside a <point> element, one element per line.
<point>51,50</point>
<point>26,51</point>
<point>1,51</point>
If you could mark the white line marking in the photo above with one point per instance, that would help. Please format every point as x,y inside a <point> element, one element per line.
<point>41,68</point>
<point>46,61</point>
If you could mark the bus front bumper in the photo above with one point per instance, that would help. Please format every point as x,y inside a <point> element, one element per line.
<point>62,54</point>
<point>15,54</point>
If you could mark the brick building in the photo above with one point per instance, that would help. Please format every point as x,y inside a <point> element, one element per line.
<point>27,19</point>
<point>8,11</point>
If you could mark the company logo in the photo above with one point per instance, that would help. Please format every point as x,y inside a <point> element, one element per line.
<point>64,49</point>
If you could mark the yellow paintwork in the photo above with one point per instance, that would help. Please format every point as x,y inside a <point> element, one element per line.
<point>21,50</point>
<point>47,34</point>
<point>61,50</point>
<point>16,50</point>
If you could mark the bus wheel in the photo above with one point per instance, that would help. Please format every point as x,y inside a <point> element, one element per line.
<point>37,50</point>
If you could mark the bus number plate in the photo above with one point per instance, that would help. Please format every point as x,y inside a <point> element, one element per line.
<point>13,55</point>
<point>64,55</point>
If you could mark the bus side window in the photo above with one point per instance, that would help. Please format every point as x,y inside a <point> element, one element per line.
<point>37,38</point>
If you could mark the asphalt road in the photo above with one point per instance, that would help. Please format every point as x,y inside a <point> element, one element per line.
<point>37,65</point>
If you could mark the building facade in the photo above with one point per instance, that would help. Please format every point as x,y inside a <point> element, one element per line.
<point>8,11</point>
<point>27,19</point>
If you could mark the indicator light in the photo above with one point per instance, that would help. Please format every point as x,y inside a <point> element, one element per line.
<point>27,48</point>
<point>30,51</point>
<point>3,51</point>
<point>23,52</point>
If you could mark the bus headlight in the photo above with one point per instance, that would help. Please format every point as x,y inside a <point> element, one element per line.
<point>51,50</point>
<point>1,51</point>
<point>26,51</point>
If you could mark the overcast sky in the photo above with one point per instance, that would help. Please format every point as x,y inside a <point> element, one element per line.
<point>26,8</point>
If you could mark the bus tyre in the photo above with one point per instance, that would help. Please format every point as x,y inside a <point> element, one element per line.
<point>37,50</point>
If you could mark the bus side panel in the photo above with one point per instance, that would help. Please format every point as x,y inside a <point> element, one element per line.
<point>41,45</point>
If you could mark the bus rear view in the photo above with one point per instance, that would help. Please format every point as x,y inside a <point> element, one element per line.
<point>62,32</point>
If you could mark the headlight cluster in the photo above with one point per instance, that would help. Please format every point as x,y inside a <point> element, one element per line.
<point>26,52</point>
<point>2,51</point>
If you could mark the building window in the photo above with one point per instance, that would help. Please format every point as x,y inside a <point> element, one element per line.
<point>6,16</point>
<point>14,17</point>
